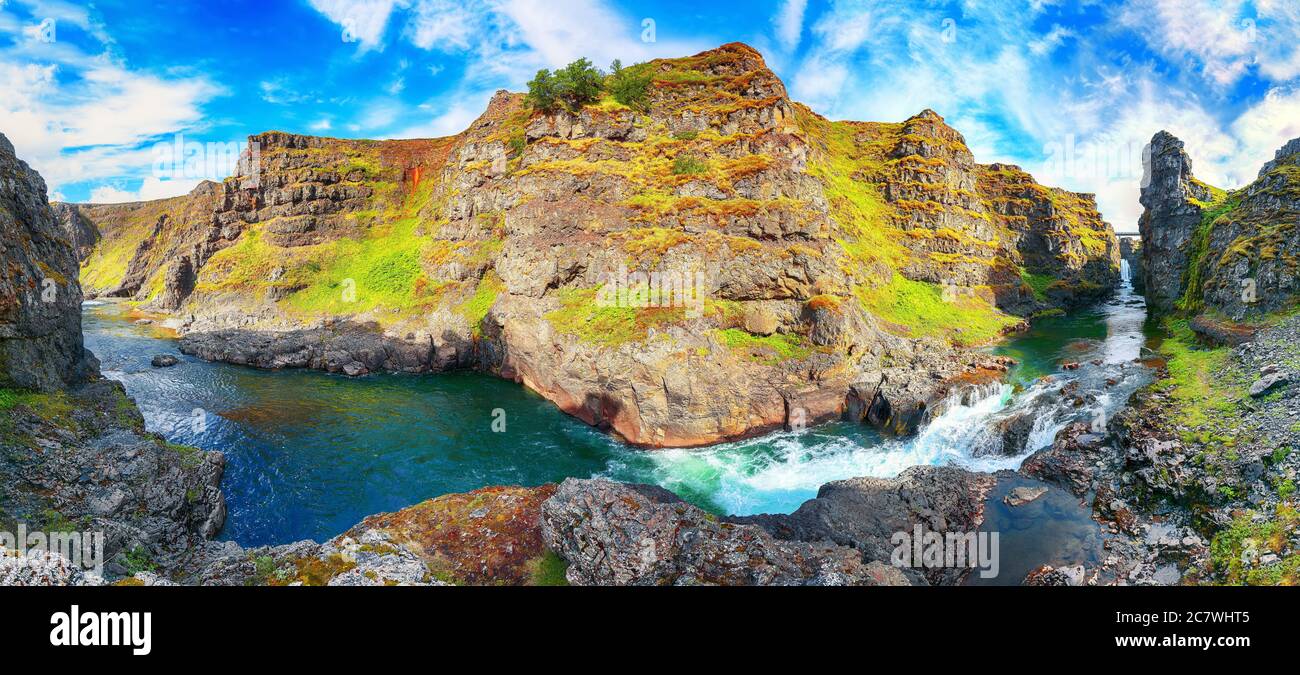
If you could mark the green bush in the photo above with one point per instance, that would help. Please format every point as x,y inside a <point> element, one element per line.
<point>576,85</point>
<point>686,165</point>
<point>542,91</point>
<point>630,86</point>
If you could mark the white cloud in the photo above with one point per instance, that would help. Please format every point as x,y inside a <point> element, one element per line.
<point>1264,128</point>
<point>447,118</point>
<point>279,92</point>
<point>1226,38</point>
<point>361,21</point>
<point>1051,41</point>
<point>150,188</point>
<point>80,116</point>
<point>789,23</point>
<point>94,126</point>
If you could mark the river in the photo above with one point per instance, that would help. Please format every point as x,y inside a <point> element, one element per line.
<point>310,454</point>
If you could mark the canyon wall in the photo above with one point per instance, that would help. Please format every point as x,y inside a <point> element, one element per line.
<point>819,258</point>
<point>1231,254</point>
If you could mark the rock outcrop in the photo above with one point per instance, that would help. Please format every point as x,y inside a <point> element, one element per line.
<point>1233,253</point>
<point>40,301</point>
<point>715,264</point>
<point>866,513</point>
<point>79,230</point>
<point>643,535</point>
<point>74,455</point>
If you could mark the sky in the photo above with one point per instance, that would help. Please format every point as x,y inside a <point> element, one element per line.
<point>96,96</point>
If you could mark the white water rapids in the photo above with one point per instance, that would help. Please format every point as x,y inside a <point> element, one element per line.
<point>775,474</point>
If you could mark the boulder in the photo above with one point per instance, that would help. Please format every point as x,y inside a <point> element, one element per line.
<point>164,361</point>
<point>642,535</point>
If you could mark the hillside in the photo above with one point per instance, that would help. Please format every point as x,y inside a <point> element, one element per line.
<point>826,260</point>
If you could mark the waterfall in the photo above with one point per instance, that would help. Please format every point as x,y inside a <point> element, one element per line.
<point>969,429</point>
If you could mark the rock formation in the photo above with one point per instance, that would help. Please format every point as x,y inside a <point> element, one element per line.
<point>1232,253</point>
<point>759,260</point>
<point>74,454</point>
<point>40,301</point>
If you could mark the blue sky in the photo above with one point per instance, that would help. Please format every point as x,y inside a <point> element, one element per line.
<point>1069,89</point>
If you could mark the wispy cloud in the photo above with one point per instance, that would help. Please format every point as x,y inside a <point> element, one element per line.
<point>788,23</point>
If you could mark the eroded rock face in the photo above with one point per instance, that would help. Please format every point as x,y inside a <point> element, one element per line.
<point>40,301</point>
<point>642,535</point>
<point>1235,252</point>
<point>74,454</point>
<point>80,231</point>
<point>1170,197</point>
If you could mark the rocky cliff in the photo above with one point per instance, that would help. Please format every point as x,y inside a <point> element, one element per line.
<point>1130,251</point>
<point>717,264</point>
<point>1233,254</point>
<point>40,301</point>
<point>74,455</point>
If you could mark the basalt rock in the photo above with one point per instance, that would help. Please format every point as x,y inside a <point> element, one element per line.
<point>866,514</point>
<point>1235,253</point>
<point>642,535</point>
<point>40,301</point>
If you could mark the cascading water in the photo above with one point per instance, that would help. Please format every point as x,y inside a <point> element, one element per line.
<point>776,474</point>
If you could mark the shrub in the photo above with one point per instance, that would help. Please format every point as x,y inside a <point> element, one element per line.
<point>574,86</point>
<point>630,86</point>
<point>686,165</point>
<point>579,84</point>
<point>542,91</point>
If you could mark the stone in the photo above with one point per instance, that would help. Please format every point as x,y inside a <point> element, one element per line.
<point>164,361</point>
<point>1266,384</point>
<point>760,321</point>
<point>1023,495</point>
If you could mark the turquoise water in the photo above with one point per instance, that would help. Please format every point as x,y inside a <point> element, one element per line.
<point>311,454</point>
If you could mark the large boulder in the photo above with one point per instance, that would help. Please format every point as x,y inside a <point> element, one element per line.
<point>641,535</point>
<point>867,513</point>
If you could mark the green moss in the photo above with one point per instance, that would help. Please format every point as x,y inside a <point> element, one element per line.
<point>190,457</point>
<point>686,165</point>
<point>918,309</point>
<point>1038,283</point>
<point>1199,258</point>
<point>380,270</point>
<point>770,349</point>
<point>485,296</point>
<point>137,560</point>
<point>54,408</point>
<point>1229,546</point>
<point>581,315</point>
<point>548,570</point>
<point>1203,399</point>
